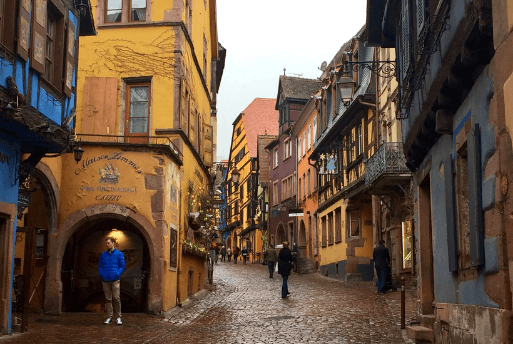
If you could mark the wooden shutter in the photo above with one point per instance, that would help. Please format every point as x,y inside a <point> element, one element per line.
<point>208,144</point>
<point>475,197</point>
<point>69,61</point>
<point>99,106</point>
<point>7,19</point>
<point>24,29</point>
<point>38,43</point>
<point>450,211</point>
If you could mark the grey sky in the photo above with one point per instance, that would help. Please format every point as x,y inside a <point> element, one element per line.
<point>263,37</point>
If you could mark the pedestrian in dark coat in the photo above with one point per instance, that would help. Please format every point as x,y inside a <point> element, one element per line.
<point>271,257</point>
<point>223,254</point>
<point>236,252</point>
<point>229,254</point>
<point>284,266</point>
<point>381,257</point>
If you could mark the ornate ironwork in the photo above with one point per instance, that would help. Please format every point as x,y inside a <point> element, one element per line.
<point>389,158</point>
<point>383,69</point>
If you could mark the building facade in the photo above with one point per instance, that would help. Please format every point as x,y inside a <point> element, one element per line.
<point>455,111</point>
<point>258,118</point>
<point>346,138</point>
<point>293,94</point>
<point>38,58</point>
<point>145,101</point>
<point>303,131</point>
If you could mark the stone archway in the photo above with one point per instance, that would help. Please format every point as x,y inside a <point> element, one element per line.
<point>59,241</point>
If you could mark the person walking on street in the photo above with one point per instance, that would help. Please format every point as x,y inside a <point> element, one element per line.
<point>381,257</point>
<point>217,254</point>
<point>284,266</point>
<point>229,253</point>
<point>271,257</point>
<point>110,267</point>
<point>236,252</point>
<point>223,254</point>
<point>244,254</point>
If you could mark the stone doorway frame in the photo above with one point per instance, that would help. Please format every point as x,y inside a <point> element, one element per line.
<point>59,240</point>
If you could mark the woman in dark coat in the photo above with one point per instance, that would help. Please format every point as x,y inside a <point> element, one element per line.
<point>284,266</point>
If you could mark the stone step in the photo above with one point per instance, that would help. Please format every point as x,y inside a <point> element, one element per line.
<point>427,320</point>
<point>420,334</point>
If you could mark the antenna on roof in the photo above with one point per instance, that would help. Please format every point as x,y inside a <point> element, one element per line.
<point>284,69</point>
<point>324,64</point>
<point>297,75</point>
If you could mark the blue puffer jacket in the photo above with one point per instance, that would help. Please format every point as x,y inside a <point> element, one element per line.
<point>112,265</point>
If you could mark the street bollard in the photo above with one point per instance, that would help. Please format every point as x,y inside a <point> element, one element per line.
<point>403,305</point>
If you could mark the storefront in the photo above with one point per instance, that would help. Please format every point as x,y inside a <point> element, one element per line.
<point>128,193</point>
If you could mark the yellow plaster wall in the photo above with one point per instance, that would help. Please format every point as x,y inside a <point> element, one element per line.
<point>335,252</point>
<point>366,250</point>
<point>198,266</point>
<point>83,186</point>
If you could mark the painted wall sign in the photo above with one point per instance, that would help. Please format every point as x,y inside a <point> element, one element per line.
<point>116,156</point>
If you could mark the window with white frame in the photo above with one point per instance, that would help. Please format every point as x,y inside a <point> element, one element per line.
<point>287,149</point>
<point>299,149</point>
<point>315,128</point>
<point>303,149</point>
<point>275,157</point>
<point>354,224</point>
<point>309,135</point>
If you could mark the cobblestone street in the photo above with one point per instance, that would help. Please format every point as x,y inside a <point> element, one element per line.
<point>246,307</point>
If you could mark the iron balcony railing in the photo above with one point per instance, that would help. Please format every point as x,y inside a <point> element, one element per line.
<point>131,140</point>
<point>389,158</point>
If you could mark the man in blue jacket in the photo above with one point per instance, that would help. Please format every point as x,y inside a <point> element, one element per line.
<point>111,266</point>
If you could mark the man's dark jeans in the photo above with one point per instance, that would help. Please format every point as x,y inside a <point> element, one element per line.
<point>382,274</point>
<point>270,266</point>
<point>285,287</point>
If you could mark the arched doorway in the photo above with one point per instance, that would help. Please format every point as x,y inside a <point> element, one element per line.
<point>302,239</point>
<point>82,288</point>
<point>37,220</point>
<point>281,236</point>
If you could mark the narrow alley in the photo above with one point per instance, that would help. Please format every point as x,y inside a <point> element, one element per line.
<point>246,307</point>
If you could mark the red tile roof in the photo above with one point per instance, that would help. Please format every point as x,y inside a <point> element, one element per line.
<point>260,118</point>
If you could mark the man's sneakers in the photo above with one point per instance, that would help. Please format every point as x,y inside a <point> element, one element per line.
<point>109,320</point>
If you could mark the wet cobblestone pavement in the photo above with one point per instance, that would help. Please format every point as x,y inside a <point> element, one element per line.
<point>246,307</point>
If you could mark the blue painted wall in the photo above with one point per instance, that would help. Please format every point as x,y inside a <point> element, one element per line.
<point>475,107</point>
<point>9,160</point>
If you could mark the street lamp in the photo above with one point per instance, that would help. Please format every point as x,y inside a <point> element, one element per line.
<point>78,153</point>
<point>346,87</point>
<point>235,175</point>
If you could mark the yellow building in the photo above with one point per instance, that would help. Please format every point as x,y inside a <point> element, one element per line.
<point>258,118</point>
<point>146,91</point>
<point>345,138</point>
<point>389,180</point>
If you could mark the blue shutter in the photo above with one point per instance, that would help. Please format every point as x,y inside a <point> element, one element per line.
<point>450,202</point>
<point>475,197</point>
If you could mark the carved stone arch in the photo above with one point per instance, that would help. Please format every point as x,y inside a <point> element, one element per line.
<point>58,241</point>
<point>51,193</point>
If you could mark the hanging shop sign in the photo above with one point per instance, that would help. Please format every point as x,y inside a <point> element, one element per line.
<point>327,164</point>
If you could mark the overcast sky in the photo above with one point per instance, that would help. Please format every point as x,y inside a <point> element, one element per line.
<point>263,37</point>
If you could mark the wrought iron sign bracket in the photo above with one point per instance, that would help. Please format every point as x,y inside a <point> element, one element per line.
<point>383,69</point>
